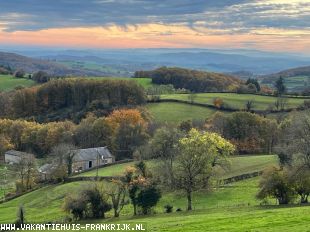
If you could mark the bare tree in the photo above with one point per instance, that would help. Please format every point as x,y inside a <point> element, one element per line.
<point>117,190</point>
<point>249,105</point>
<point>26,171</point>
<point>63,154</point>
<point>192,97</point>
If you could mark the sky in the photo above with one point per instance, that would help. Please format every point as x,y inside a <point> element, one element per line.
<point>270,25</point>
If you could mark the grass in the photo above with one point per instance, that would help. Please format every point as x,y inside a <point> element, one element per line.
<point>176,112</point>
<point>114,170</point>
<point>230,207</point>
<point>8,82</point>
<point>45,204</point>
<point>238,166</point>
<point>247,164</point>
<point>295,83</point>
<point>236,101</point>
<point>144,82</point>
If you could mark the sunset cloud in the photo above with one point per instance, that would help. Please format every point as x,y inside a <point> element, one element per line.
<point>280,25</point>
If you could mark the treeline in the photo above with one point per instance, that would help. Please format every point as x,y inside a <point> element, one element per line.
<point>60,99</point>
<point>122,131</point>
<point>193,80</point>
<point>249,132</point>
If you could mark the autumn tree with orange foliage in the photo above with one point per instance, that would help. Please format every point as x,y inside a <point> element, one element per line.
<point>131,131</point>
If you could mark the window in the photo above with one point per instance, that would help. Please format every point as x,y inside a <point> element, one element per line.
<point>90,164</point>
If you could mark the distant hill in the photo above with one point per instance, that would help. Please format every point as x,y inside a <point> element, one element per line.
<point>31,65</point>
<point>300,71</point>
<point>193,80</point>
<point>296,79</point>
<point>124,62</point>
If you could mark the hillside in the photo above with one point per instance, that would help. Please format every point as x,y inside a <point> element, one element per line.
<point>300,71</point>
<point>46,203</point>
<point>235,101</point>
<point>8,82</point>
<point>193,80</point>
<point>126,61</point>
<point>31,65</point>
<point>296,79</point>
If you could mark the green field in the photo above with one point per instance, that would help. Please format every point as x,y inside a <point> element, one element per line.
<point>236,101</point>
<point>45,204</point>
<point>230,207</point>
<point>8,82</point>
<point>238,165</point>
<point>294,83</point>
<point>177,112</point>
<point>144,82</point>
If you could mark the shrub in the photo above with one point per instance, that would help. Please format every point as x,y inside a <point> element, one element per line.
<point>77,207</point>
<point>275,183</point>
<point>168,208</point>
<point>20,216</point>
<point>218,102</point>
<point>147,198</point>
<point>98,204</point>
<point>19,73</point>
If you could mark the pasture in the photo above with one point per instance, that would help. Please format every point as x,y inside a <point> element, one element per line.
<point>144,82</point>
<point>236,101</point>
<point>231,207</point>
<point>237,165</point>
<point>226,208</point>
<point>171,112</point>
<point>8,82</point>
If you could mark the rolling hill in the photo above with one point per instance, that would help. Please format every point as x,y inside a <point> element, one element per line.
<point>31,65</point>
<point>297,79</point>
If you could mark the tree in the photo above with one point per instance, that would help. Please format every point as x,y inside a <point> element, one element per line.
<point>254,82</point>
<point>148,197</point>
<point>281,103</point>
<point>186,126</point>
<point>20,216</point>
<point>275,183</point>
<point>88,202</point>
<point>26,171</point>
<point>19,73</point>
<point>98,203</point>
<point>295,139</point>
<point>218,102</point>
<point>64,155</point>
<point>76,206</point>
<point>164,146</point>
<point>192,97</point>
<point>41,77</point>
<point>117,190</point>
<point>5,145</point>
<point>299,178</point>
<point>249,105</point>
<point>199,154</point>
<point>280,86</point>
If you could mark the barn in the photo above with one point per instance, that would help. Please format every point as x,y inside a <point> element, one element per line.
<point>91,157</point>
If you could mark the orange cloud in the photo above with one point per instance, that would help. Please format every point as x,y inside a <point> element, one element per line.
<point>158,35</point>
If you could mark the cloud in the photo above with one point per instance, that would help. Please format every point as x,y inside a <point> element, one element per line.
<point>272,24</point>
<point>41,14</point>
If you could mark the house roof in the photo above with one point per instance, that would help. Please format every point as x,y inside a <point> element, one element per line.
<point>92,154</point>
<point>19,154</point>
<point>46,168</point>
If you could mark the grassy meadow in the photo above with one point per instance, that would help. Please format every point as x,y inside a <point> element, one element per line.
<point>226,208</point>
<point>236,101</point>
<point>8,82</point>
<point>238,165</point>
<point>177,112</point>
<point>231,207</point>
